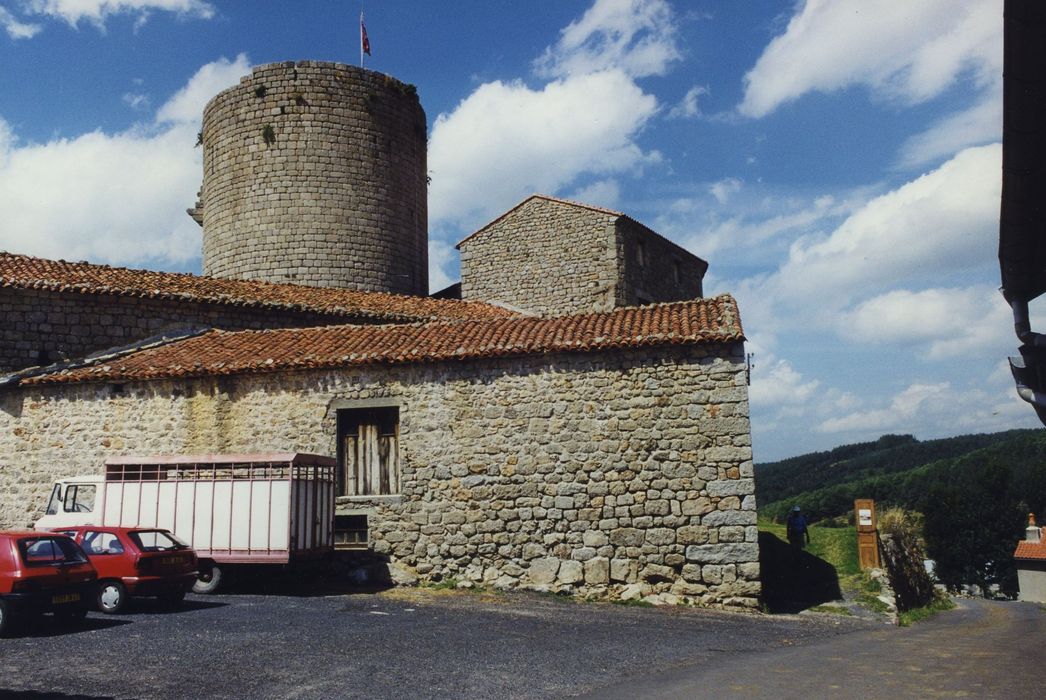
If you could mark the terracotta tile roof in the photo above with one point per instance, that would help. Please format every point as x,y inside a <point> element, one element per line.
<point>22,271</point>
<point>701,321</point>
<point>580,205</point>
<point>1030,550</point>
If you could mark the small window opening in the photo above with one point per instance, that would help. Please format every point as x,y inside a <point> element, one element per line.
<point>368,451</point>
<point>677,271</point>
<point>350,532</point>
<point>641,253</point>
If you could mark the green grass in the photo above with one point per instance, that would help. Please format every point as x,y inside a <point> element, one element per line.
<point>836,545</point>
<point>915,615</point>
<point>633,603</point>
<point>832,609</point>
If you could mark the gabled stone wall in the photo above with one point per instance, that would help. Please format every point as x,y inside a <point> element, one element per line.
<point>615,474</point>
<point>552,258</point>
<point>546,256</point>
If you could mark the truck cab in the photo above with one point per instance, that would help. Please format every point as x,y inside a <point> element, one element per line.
<point>73,502</point>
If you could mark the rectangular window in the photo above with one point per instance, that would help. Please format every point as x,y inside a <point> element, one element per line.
<point>368,451</point>
<point>350,531</point>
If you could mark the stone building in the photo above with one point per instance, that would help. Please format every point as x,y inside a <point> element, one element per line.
<point>577,422</point>
<point>552,256</point>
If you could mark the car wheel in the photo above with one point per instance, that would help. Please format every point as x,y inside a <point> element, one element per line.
<point>112,597</point>
<point>208,579</point>
<point>7,623</point>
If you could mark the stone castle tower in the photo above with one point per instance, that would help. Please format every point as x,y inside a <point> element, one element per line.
<point>315,173</point>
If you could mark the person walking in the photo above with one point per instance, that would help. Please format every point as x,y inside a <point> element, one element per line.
<point>797,528</point>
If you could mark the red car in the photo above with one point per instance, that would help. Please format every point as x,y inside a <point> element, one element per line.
<point>42,572</point>
<point>136,562</point>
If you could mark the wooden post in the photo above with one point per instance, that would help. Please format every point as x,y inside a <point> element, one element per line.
<point>867,533</point>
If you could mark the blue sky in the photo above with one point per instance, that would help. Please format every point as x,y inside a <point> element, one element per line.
<point>837,163</point>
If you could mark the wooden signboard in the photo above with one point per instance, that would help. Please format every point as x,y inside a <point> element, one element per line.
<point>867,533</point>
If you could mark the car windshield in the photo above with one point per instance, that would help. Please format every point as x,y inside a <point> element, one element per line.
<point>44,551</point>
<point>156,540</point>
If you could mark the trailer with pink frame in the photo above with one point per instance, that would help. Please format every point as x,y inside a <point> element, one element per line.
<point>233,509</point>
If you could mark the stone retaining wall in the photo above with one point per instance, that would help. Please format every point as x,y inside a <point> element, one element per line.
<point>619,474</point>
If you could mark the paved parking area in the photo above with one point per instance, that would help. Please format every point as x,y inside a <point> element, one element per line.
<point>412,643</point>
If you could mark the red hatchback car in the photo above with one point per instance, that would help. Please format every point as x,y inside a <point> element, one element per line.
<point>42,572</point>
<point>136,562</point>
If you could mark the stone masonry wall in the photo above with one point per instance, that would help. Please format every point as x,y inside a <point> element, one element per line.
<point>76,324</point>
<point>621,474</point>
<point>547,257</point>
<point>667,273</point>
<point>315,173</point>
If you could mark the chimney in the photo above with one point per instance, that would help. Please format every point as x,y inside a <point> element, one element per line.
<point>1033,533</point>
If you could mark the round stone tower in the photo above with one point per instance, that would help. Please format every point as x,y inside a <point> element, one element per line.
<point>315,173</point>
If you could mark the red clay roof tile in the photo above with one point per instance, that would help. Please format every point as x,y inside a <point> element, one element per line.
<point>702,321</point>
<point>25,272</point>
<point>1030,550</point>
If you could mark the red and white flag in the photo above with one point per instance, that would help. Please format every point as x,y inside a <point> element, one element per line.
<point>364,41</point>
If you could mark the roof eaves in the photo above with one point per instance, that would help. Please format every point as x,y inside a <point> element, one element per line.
<point>27,375</point>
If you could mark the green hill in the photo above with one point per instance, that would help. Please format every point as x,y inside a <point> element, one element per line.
<point>894,468</point>
<point>975,492</point>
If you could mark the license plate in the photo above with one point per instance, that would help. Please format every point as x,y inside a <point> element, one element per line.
<point>65,598</point>
<point>171,561</point>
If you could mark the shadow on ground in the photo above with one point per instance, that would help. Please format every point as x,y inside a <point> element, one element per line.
<point>342,573</point>
<point>794,579</point>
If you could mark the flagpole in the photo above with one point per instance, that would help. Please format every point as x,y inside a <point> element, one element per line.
<point>361,37</point>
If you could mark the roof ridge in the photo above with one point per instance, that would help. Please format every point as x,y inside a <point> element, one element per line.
<point>538,195</point>
<point>692,322</point>
<point>25,271</point>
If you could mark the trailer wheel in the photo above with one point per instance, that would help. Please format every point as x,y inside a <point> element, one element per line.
<point>112,597</point>
<point>208,579</point>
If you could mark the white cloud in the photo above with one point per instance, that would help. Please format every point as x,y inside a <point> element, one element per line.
<point>136,101</point>
<point>506,140</point>
<point>903,407</point>
<point>948,323</point>
<point>908,51</point>
<point>943,221</point>
<point>724,189</point>
<point>602,193</point>
<point>16,29</point>
<point>115,198</point>
<point>442,261</point>
<point>97,11</point>
<point>187,104</point>
<point>935,409</point>
<point>778,384</point>
<point>509,139</point>
<point>977,125</point>
<point>688,106</point>
<point>633,36</point>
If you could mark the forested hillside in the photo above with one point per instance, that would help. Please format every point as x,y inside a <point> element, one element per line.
<point>894,468</point>
<point>974,491</point>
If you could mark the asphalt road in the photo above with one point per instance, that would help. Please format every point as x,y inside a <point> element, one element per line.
<point>425,644</point>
